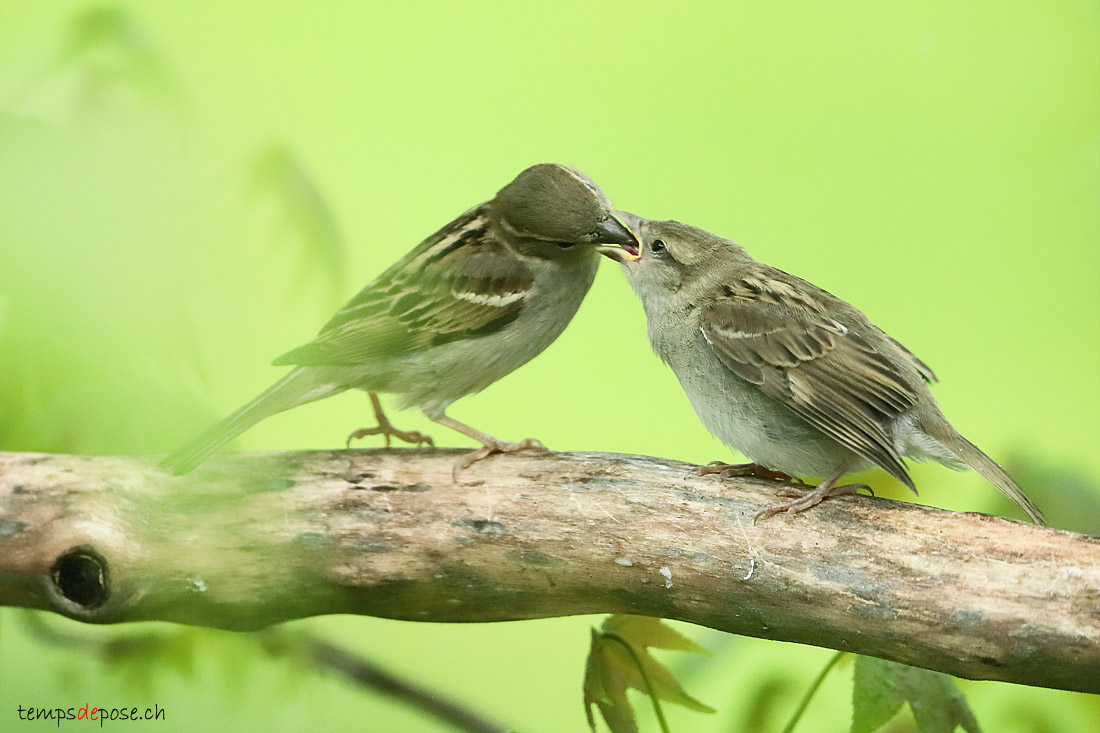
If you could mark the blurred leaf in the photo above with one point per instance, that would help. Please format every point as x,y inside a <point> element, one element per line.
<point>144,660</point>
<point>619,660</point>
<point>881,688</point>
<point>96,28</point>
<point>133,655</point>
<point>113,49</point>
<point>767,694</point>
<point>304,217</point>
<point>128,654</point>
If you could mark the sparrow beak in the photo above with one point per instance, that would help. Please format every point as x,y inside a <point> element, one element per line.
<point>614,231</point>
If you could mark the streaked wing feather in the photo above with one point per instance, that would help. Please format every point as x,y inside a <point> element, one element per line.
<point>829,373</point>
<point>926,372</point>
<point>459,283</point>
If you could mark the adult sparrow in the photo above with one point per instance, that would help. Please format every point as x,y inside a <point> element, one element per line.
<point>479,298</point>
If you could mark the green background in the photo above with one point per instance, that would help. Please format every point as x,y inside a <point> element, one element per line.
<point>936,164</point>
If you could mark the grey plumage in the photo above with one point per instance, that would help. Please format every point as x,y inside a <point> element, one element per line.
<point>474,301</point>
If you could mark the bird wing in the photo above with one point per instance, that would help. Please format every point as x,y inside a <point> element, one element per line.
<point>459,283</point>
<point>923,369</point>
<point>780,338</point>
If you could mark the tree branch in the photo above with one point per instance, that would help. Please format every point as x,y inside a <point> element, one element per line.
<point>251,540</point>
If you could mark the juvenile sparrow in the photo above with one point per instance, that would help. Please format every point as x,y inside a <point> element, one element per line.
<point>797,379</point>
<point>474,301</point>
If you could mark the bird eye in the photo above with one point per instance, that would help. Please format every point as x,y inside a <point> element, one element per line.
<point>657,246</point>
<point>565,245</point>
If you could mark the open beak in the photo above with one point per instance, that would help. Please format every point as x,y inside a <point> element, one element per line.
<point>627,245</point>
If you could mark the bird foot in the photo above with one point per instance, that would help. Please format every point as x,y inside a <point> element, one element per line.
<point>496,446</point>
<point>746,470</point>
<point>388,431</point>
<point>807,498</point>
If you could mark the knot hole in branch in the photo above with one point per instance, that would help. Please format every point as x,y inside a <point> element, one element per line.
<point>80,575</point>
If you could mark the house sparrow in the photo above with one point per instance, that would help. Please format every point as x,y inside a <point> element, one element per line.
<point>797,379</point>
<point>474,301</point>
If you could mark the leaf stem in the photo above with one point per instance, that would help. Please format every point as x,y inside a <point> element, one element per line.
<point>810,692</point>
<point>645,678</point>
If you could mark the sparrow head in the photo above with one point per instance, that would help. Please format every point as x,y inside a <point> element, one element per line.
<point>670,254</point>
<point>555,204</point>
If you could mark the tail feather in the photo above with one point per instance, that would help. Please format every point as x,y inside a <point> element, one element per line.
<point>294,389</point>
<point>990,471</point>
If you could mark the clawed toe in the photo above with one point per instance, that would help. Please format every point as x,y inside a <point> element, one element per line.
<point>806,498</point>
<point>386,429</point>
<point>413,437</point>
<point>529,444</point>
<point>499,446</point>
<point>850,489</point>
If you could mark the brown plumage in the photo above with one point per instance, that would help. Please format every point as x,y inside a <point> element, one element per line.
<point>795,378</point>
<point>479,298</point>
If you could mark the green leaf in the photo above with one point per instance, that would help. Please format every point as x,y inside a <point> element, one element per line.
<point>881,687</point>
<point>276,175</point>
<point>111,47</point>
<point>619,660</point>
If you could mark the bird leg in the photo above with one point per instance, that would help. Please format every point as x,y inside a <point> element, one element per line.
<point>746,470</point>
<point>387,430</point>
<point>808,498</point>
<point>489,444</point>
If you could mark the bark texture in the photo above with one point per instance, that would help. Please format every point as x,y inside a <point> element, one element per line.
<point>252,540</point>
